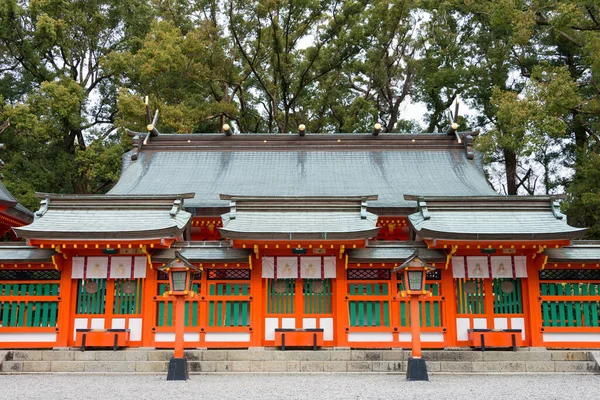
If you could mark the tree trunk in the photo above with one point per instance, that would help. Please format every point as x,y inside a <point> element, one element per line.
<point>510,163</point>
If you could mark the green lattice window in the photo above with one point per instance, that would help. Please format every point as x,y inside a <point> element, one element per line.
<point>36,313</point>
<point>280,296</point>
<point>317,296</point>
<point>128,297</point>
<point>166,309</point>
<point>91,296</point>
<point>366,313</point>
<point>558,311</point>
<point>228,312</point>
<point>470,296</point>
<point>508,297</point>
<point>429,308</point>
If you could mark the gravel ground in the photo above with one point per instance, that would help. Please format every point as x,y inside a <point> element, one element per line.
<point>299,386</point>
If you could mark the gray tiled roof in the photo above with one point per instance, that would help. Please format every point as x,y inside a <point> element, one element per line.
<point>15,209</point>
<point>286,165</point>
<point>107,217</point>
<point>6,197</point>
<point>493,218</point>
<point>19,253</point>
<point>202,252</point>
<point>289,218</point>
<point>300,225</point>
<point>578,253</point>
<point>395,252</point>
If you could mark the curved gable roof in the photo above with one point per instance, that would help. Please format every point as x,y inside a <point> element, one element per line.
<point>315,165</point>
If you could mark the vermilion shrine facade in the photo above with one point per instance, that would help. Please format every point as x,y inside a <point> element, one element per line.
<point>299,232</point>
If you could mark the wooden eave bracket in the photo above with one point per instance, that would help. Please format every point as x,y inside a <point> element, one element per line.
<point>449,256</point>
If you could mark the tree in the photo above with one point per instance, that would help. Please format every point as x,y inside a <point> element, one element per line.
<point>55,50</point>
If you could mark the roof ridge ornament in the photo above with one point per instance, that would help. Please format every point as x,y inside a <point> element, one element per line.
<point>177,206</point>
<point>376,129</point>
<point>151,127</point>
<point>556,210</point>
<point>44,204</point>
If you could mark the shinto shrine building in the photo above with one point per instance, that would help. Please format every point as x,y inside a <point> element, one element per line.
<point>294,231</point>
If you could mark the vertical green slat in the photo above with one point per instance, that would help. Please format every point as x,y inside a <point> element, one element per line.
<point>386,313</point>
<point>211,313</point>
<point>236,313</point>
<point>377,313</point>
<point>519,291</point>
<point>585,306</point>
<point>352,305</point>
<point>186,314</point>
<point>361,313</point>
<point>54,305</point>
<point>14,311</point>
<point>5,313</point>
<point>169,321</point>
<point>219,313</point>
<point>306,290</point>
<point>569,307</point>
<point>269,296</point>
<point>161,306</point>
<point>594,304</point>
<point>195,309</point>
<point>30,305</point>
<point>46,306</point>
<point>403,314</point>
<point>427,313</point>
<point>553,305</point>
<point>117,307</point>
<point>545,308</point>
<point>245,313</point>
<point>436,305</point>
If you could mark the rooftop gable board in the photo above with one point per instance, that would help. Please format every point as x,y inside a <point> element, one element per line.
<point>491,218</point>
<point>289,165</point>
<point>108,217</point>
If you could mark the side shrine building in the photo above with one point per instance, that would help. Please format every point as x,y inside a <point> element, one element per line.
<point>299,232</point>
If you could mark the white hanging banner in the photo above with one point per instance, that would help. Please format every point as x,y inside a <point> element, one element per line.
<point>501,266</point>
<point>329,267</point>
<point>458,267</point>
<point>287,267</point>
<point>120,267</point>
<point>139,267</point>
<point>310,267</point>
<point>520,267</point>
<point>268,267</point>
<point>97,268</point>
<point>477,267</point>
<point>78,267</point>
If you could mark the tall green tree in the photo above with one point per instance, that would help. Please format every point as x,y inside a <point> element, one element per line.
<point>55,50</point>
